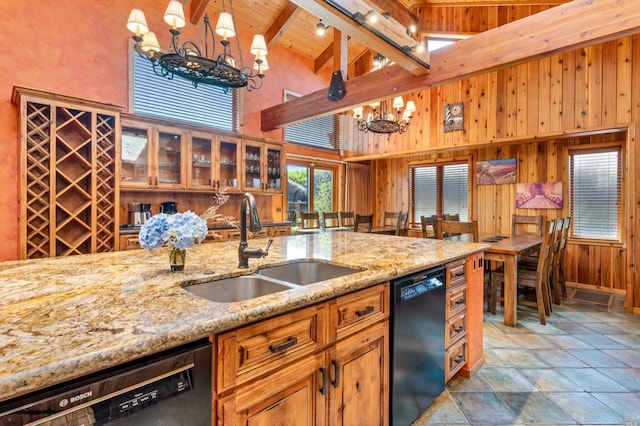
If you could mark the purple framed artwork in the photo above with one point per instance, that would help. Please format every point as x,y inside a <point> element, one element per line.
<point>539,195</point>
<point>496,172</point>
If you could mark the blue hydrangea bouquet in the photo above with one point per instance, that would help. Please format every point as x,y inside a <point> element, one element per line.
<point>179,231</point>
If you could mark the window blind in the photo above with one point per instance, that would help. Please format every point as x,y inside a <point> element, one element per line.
<point>177,99</point>
<point>436,190</point>
<point>594,193</point>
<point>455,183</point>
<point>319,132</point>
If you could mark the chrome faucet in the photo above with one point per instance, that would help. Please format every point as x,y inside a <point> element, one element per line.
<point>244,252</point>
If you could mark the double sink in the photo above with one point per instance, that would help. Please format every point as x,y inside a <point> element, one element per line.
<point>269,280</point>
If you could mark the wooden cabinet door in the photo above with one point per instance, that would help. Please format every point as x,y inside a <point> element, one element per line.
<point>359,378</point>
<point>293,396</point>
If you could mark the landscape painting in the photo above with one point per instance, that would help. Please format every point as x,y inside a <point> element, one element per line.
<point>496,172</point>
<point>539,195</point>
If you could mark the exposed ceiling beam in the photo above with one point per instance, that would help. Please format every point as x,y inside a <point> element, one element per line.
<point>340,52</point>
<point>397,10</point>
<point>563,28</point>
<point>395,32</point>
<point>281,23</point>
<point>197,9</point>
<point>323,59</point>
<point>488,3</point>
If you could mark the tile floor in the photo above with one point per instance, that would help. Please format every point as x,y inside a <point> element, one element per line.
<point>582,368</point>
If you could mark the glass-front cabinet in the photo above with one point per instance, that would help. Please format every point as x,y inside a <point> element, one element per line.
<point>262,167</point>
<point>151,156</point>
<point>214,163</point>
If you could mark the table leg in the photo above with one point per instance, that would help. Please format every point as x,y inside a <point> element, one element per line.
<point>510,291</point>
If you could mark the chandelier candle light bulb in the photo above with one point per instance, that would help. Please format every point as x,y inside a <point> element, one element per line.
<point>198,62</point>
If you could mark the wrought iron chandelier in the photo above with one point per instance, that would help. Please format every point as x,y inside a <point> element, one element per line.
<point>381,121</point>
<point>198,62</point>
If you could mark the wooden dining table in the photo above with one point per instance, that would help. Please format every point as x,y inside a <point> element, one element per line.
<point>385,230</point>
<point>508,249</point>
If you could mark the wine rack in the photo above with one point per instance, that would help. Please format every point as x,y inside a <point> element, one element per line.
<point>69,191</point>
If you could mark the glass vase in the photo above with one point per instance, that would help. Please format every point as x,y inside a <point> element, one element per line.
<point>177,258</point>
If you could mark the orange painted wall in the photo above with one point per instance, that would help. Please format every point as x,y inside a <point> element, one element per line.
<point>80,48</point>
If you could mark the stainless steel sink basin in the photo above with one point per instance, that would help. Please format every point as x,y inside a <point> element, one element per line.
<point>236,289</point>
<point>306,272</point>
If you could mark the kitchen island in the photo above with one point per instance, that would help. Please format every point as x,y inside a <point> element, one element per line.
<point>62,318</point>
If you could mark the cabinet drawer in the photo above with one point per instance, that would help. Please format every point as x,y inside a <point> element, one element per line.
<point>355,311</point>
<point>276,231</point>
<point>455,357</point>
<point>456,273</point>
<point>456,301</point>
<point>259,348</point>
<point>455,329</point>
<point>129,242</point>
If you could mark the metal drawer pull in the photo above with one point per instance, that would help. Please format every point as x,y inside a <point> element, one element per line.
<point>459,328</point>
<point>365,311</point>
<point>459,359</point>
<point>459,301</point>
<point>336,373</point>
<point>323,388</point>
<point>458,272</point>
<point>285,345</point>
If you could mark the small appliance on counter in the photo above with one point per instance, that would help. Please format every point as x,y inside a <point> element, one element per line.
<point>169,207</point>
<point>139,213</point>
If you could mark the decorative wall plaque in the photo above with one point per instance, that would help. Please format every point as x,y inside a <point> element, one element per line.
<point>453,117</point>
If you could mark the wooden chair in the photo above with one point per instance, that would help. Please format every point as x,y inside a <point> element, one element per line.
<point>528,221</point>
<point>390,218</point>
<point>363,223</point>
<point>330,220</point>
<point>558,272</point>
<point>448,227</point>
<point>537,280</point>
<point>310,220</point>
<point>402,227</point>
<point>347,219</point>
<point>425,223</point>
<point>452,217</point>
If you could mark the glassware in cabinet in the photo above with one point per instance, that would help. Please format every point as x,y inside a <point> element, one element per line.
<point>135,161</point>
<point>229,160</point>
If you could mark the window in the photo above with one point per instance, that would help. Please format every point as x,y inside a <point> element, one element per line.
<point>319,132</point>
<point>435,44</point>
<point>177,99</point>
<point>439,189</point>
<point>594,192</point>
<point>311,187</point>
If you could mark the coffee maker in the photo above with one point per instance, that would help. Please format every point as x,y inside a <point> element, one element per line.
<point>169,207</point>
<point>139,213</point>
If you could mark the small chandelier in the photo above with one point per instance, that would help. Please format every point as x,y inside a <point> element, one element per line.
<point>380,121</point>
<point>198,62</point>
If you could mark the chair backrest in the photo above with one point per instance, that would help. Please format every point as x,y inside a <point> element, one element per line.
<point>564,236</point>
<point>363,223</point>
<point>529,222</point>
<point>452,217</point>
<point>310,220</point>
<point>402,227</point>
<point>390,218</point>
<point>425,223</point>
<point>546,250</point>
<point>291,216</point>
<point>347,219</point>
<point>450,227</point>
<point>330,220</point>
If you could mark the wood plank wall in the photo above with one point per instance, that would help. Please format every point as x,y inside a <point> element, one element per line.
<point>523,112</point>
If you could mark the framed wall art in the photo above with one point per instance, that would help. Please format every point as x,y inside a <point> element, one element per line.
<point>453,117</point>
<point>539,195</point>
<point>496,172</point>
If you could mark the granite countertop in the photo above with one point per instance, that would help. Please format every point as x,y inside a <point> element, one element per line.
<point>135,229</point>
<point>62,318</point>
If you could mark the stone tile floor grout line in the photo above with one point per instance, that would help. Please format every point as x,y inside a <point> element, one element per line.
<point>582,368</point>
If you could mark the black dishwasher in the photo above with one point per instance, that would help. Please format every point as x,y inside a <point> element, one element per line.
<point>417,343</point>
<point>172,388</point>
